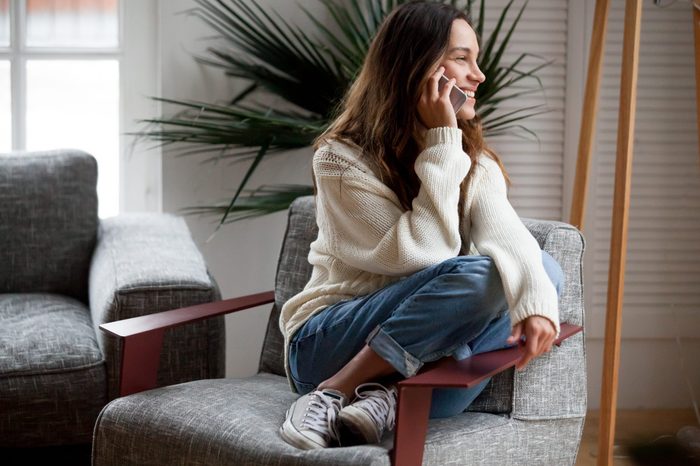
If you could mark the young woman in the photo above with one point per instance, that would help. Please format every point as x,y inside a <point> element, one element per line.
<point>419,253</point>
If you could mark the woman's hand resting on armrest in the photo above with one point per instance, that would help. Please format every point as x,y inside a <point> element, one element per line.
<point>539,334</point>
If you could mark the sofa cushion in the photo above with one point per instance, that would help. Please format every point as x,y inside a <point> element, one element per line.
<point>236,421</point>
<point>52,376</point>
<point>125,282</point>
<point>48,222</point>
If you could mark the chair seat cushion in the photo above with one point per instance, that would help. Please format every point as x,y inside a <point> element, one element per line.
<point>50,369</point>
<point>42,333</point>
<point>236,421</point>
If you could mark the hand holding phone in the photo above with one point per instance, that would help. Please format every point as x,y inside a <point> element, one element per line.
<point>457,95</point>
<point>437,107</point>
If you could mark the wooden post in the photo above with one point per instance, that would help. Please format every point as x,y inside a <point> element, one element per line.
<point>618,240</point>
<point>696,28</point>
<point>590,110</point>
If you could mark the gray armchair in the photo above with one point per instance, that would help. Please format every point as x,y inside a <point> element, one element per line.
<point>530,417</point>
<point>63,272</point>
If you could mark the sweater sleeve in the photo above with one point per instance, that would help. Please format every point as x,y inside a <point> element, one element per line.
<point>366,227</point>
<point>498,232</point>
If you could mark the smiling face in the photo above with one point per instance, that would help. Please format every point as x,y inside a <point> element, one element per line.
<point>460,63</point>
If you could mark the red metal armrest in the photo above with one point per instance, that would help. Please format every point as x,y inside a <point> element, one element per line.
<point>415,393</point>
<point>142,337</point>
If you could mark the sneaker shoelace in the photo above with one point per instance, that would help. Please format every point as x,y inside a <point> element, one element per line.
<point>320,415</point>
<point>380,404</point>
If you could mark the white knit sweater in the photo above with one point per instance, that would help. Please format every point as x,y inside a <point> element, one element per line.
<point>366,240</point>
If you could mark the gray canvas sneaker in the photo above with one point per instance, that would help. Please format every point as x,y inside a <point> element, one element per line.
<point>311,421</point>
<point>371,413</point>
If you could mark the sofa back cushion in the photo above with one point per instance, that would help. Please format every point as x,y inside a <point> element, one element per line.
<point>48,221</point>
<point>293,272</point>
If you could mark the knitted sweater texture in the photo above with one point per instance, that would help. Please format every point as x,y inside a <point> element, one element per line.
<point>366,240</point>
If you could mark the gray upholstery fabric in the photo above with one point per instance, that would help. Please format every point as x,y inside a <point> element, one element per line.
<point>533,417</point>
<point>293,271</point>
<point>52,377</point>
<point>146,263</point>
<point>534,394</point>
<point>236,422</point>
<point>54,370</point>
<point>48,221</point>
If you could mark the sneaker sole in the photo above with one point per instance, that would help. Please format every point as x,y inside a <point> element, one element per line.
<point>357,424</point>
<point>295,438</point>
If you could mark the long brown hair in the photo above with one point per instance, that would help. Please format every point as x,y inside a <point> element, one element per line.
<point>379,112</point>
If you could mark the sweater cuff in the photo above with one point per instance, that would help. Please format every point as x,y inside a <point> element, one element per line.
<point>443,135</point>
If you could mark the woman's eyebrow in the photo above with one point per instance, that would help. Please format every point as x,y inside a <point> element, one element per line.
<point>464,49</point>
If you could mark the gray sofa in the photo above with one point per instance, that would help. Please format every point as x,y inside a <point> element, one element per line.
<point>63,272</point>
<point>532,417</point>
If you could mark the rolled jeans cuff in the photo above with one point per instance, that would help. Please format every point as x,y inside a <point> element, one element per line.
<point>393,353</point>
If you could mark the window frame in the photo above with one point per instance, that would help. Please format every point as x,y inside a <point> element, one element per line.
<point>140,180</point>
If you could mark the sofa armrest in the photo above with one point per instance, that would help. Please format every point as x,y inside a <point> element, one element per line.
<point>449,372</point>
<point>148,263</point>
<point>553,386</point>
<point>415,393</point>
<point>142,337</point>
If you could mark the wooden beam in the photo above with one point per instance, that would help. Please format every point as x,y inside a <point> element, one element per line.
<point>696,28</point>
<point>618,239</point>
<point>590,110</point>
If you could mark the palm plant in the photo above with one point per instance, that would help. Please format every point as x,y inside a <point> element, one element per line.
<point>260,48</point>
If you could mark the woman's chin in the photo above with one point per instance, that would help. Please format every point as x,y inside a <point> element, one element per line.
<point>466,113</point>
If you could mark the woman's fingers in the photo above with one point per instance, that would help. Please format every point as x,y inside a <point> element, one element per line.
<point>539,337</point>
<point>551,341</point>
<point>435,83</point>
<point>546,339</point>
<point>446,89</point>
<point>434,108</point>
<point>531,347</point>
<point>516,333</point>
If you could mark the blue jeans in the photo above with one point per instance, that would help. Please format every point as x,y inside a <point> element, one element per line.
<point>455,308</point>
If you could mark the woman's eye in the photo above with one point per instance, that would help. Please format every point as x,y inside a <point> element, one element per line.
<point>461,58</point>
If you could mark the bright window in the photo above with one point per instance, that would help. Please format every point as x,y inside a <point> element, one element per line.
<point>4,23</point>
<point>76,23</point>
<point>5,103</point>
<point>60,62</point>
<point>75,103</point>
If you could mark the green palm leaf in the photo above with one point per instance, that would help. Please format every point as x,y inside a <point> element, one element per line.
<point>309,72</point>
<point>264,200</point>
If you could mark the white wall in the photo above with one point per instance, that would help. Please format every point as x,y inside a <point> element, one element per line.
<point>243,256</point>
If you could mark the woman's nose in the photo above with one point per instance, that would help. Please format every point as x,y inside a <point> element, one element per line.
<point>477,75</point>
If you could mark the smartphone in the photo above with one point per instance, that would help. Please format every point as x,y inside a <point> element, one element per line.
<point>457,95</point>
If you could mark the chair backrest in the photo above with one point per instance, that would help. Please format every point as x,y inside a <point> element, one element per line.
<point>563,241</point>
<point>48,221</point>
<point>293,272</point>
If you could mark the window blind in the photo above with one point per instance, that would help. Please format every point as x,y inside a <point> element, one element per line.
<point>662,280</point>
<point>535,167</point>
